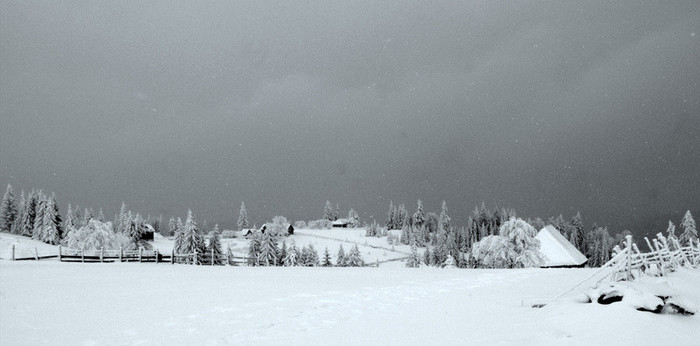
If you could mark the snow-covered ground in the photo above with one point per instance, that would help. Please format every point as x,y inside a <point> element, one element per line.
<point>54,303</point>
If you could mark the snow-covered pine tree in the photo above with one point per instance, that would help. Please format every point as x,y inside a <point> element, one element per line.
<point>413,260</point>
<point>179,225</point>
<point>400,217</point>
<point>242,217</point>
<point>390,217</point>
<point>336,212</point>
<point>576,236</point>
<point>51,233</point>
<point>214,246</point>
<point>419,215</point>
<point>119,223</point>
<point>179,244</point>
<point>268,250</point>
<point>689,229</point>
<point>69,222</point>
<point>328,211</point>
<point>27,222</point>
<point>427,256</point>
<point>172,227</point>
<point>87,216</point>
<point>254,249</point>
<point>313,256</point>
<point>560,225</point>
<point>341,260</point>
<point>355,258</point>
<point>101,216</point>
<point>292,257</point>
<point>21,210</point>
<point>38,229</point>
<point>57,216</point>
<point>353,218</point>
<point>8,210</point>
<point>327,261</point>
<point>671,230</point>
<point>192,239</point>
<point>405,236</point>
<point>282,254</point>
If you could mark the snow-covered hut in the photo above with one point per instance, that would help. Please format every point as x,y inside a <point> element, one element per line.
<point>341,223</point>
<point>558,251</point>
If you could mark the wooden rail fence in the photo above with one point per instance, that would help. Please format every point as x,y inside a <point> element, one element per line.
<point>140,256</point>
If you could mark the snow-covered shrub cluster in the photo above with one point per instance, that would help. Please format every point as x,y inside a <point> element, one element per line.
<point>98,235</point>
<point>301,224</point>
<point>514,247</point>
<point>320,224</point>
<point>228,234</point>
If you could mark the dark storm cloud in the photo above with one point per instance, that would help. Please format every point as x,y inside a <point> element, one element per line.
<point>548,107</point>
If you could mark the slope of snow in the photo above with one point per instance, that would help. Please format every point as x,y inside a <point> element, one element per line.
<point>50,303</point>
<point>24,247</point>
<point>558,250</point>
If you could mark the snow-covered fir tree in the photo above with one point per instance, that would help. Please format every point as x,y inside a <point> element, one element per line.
<point>419,215</point>
<point>119,223</point>
<point>214,245</point>
<point>27,221</point>
<point>69,222</point>
<point>268,250</point>
<point>353,218</point>
<point>327,261</point>
<point>576,233</point>
<point>101,216</point>
<point>39,217</point>
<point>427,257</point>
<point>178,246</point>
<point>50,231</point>
<point>336,212</point>
<point>242,217</point>
<point>340,259</point>
<point>193,241</point>
<point>21,210</point>
<point>309,256</point>
<point>8,210</point>
<point>390,217</point>
<point>354,258</point>
<point>413,260</point>
<point>600,246</point>
<point>671,230</point>
<point>328,211</point>
<point>254,249</point>
<point>172,227</point>
<point>292,257</point>
<point>689,229</point>
<point>282,254</point>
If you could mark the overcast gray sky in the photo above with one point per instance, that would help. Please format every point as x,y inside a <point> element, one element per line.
<point>548,107</point>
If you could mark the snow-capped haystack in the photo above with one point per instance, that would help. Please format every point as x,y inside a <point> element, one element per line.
<point>559,251</point>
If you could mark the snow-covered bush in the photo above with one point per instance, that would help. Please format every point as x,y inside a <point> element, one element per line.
<point>514,247</point>
<point>521,236</point>
<point>278,226</point>
<point>301,224</point>
<point>98,235</point>
<point>320,224</point>
<point>492,251</point>
<point>228,234</point>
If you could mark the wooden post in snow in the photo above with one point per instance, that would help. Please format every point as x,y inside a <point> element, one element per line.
<point>36,254</point>
<point>82,255</point>
<point>59,253</point>
<point>156,253</point>
<point>172,256</point>
<point>140,254</point>
<point>212,256</point>
<point>102,255</point>
<point>13,252</point>
<point>629,257</point>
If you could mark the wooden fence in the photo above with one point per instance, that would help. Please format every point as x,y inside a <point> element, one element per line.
<point>140,256</point>
<point>664,256</point>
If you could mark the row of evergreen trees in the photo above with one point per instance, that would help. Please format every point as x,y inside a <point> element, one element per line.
<point>264,250</point>
<point>36,215</point>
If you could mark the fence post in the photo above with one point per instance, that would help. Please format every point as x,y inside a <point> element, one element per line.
<point>629,257</point>
<point>156,253</point>
<point>140,254</point>
<point>120,254</point>
<point>36,254</point>
<point>194,257</point>
<point>13,252</point>
<point>59,253</point>
<point>212,256</point>
<point>82,255</point>
<point>172,256</point>
<point>102,255</point>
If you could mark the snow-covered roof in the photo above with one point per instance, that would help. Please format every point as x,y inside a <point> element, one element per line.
<point>341,222</point>
<point>559,251</point>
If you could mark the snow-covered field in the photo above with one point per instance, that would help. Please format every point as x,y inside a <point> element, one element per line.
<point>49,302</point>
<point>54,303</point>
